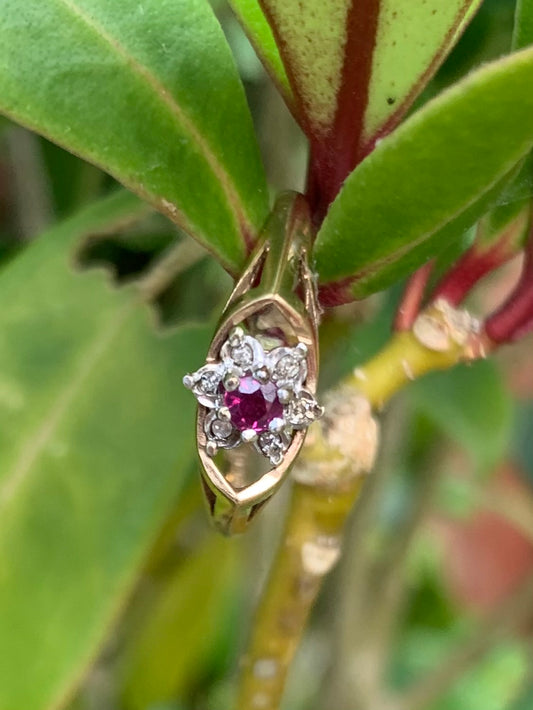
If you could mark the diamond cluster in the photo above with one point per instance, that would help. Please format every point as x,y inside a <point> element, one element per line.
<point>254,396</point>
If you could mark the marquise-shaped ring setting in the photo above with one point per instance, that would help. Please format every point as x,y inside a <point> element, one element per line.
<point>256,390</point>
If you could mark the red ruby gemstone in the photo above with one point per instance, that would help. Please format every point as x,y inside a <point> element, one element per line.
<point>253,405</point>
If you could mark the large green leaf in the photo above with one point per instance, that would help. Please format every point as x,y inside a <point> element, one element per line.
<point>412,40</point>
<point>434,246</point>
<point>95,434</point>
<point>149,92</point>
<point>429,177</point>
<point>175,639</point>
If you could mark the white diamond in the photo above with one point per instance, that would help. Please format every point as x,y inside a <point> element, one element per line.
<point>220,432</point>
<point>302,410</point>
<point>246,354</point>
<point>272,446</point>
<point>207,384</point>
<point>221,428</point>
<point>242,355</point>
<point>288,367</point>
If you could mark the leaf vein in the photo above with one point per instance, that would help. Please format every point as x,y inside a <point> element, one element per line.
<point>236,206</point>
<point>50,421</point>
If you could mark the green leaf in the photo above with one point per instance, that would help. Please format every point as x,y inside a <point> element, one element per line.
<point>173,642</point>
<point>490,684</point>
<point>523,28</point>
<point>95,434</point>
<point>412,41</point>
<point>448,236</point>
<point>4,123</point>
<point>472,406</point>
<point>514,199</point>
<point>260,35</point>
<point>422,182</point>
<point>524,699</point>
<point>149,92</point>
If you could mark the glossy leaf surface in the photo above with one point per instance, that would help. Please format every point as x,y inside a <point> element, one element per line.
<point>95,434</point>
<point>149,92</point>
<point>429,180</point>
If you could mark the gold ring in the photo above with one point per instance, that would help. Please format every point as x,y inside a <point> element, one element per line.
<point>256,391</point>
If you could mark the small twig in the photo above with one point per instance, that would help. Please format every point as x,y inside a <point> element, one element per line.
<point>376,598</point>
<point>515,317</point>
<point>175,260</point>
<point>488,252</point>
<point>507,617</point>
<point>30,185</point>
<point>310,548</point>
<point>388,579</point>
<point>412,298</point>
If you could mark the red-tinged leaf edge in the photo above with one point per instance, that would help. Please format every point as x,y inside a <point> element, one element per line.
<point>334,156</point>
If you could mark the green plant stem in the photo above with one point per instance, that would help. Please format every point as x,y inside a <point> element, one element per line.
<point>309,549</point>
<point>403,360</point>
<point>176,259</point>
<point>30,187</point>
<point>328,479</point>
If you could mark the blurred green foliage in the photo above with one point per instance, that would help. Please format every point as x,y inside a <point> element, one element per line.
<point>180,593</point>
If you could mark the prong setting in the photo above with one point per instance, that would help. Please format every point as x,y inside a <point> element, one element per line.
<point>211,449</point>
<point>262,374</point>
<point>231,381</point>
<point>224,413</point>
<point>284,395</point>
<point>188,382</point>
<point>236,336</point>
<point>276,425</point>
<point>249,436</point>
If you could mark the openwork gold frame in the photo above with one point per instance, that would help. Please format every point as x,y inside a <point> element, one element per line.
<point>278,281</point>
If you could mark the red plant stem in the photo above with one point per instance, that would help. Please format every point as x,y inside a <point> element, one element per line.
<point>471,268</point>
<point>515,317</point>
<point>483,257</point>
<point>413,296</point>
<point>523,330</point>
